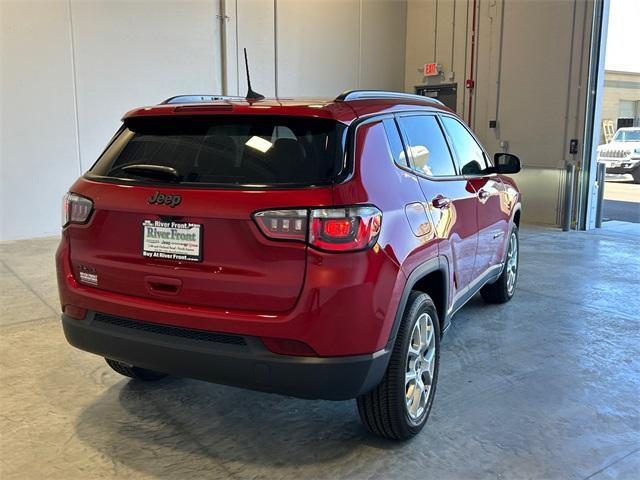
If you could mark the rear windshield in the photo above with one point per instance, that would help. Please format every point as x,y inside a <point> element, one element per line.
<point>226,150</point>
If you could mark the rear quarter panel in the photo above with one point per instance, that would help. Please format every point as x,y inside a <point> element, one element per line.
<point>378,181</point>
<point>511,199</point>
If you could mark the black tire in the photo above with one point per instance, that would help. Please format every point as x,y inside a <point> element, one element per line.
<point>499,292</point>
<point>636,175</point>
<point>136,373</point>
<point>384,410</point>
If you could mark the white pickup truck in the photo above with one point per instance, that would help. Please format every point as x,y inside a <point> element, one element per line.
<point>622,154</point>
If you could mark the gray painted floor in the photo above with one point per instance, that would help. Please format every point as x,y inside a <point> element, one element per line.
<point>547,386</point>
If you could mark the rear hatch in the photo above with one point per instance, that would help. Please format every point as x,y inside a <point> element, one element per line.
<point>173,199</point>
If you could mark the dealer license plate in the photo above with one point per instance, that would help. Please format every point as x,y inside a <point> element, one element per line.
<point>171,240</point>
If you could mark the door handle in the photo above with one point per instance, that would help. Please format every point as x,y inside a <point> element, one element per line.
<point>441,201</point>
<point>483,194</point>
<point>163,285</point>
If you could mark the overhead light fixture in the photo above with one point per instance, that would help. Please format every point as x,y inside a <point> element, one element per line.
<point>259,143</point>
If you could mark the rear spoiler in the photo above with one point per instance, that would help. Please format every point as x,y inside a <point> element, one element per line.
<point>199,99</point>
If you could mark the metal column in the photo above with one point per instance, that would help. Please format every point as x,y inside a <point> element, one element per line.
<point>600,178</point>
<point>567,213</point>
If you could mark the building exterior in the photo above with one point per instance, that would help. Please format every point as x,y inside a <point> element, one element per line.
<point>620,100</point>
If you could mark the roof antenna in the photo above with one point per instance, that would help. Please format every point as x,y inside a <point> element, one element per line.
<point>251,95</point>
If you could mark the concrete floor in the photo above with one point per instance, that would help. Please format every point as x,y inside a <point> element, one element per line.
<point>547,386</point>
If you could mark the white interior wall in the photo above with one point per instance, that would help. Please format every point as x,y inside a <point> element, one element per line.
<point>382,43</point>
<point>70,70</point>
<point>316,48</point>
<point>38,143</point>
<point>129,54</point>
<point>255,24</point>
<point>530,73</point>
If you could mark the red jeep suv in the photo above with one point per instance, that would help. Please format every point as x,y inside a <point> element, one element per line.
<point>309,248</point>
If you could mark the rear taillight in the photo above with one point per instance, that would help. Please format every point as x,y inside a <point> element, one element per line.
<point>344,229</point>
<point>283,224</point>
<point>331,229</point>
<point>75,209</point>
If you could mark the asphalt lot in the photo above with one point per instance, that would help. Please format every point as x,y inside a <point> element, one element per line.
<point>621,199</point>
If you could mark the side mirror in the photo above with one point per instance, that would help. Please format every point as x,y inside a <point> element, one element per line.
<point>506,163</point>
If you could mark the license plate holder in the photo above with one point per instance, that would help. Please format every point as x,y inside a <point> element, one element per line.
<point>177,241</point>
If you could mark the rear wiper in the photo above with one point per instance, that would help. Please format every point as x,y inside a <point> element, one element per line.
<point>158,172</point>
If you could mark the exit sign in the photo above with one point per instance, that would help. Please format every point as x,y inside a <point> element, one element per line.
<point>430,69</point>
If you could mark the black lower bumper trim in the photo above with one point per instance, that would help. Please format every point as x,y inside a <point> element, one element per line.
<point>622,170</point>
<point>249,365</point>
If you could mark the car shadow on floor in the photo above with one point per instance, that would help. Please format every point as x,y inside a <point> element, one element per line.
<point>138,423</point>
<point>180,427</point>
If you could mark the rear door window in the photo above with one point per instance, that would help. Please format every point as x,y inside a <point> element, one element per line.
<point>227,150</point>
<point>471,157</point>
<point>427,146</point>
<point>395,143</point>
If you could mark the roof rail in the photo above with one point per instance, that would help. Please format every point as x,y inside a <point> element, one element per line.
<point>382,94</point>
<point>198,99</point>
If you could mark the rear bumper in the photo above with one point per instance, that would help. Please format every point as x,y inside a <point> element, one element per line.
<point>241,361</point>
<point>347,305</point>
<point>621,170</point>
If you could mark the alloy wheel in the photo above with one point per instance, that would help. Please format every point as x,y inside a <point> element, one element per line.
<point>512,263</point>
<point>420,367</point>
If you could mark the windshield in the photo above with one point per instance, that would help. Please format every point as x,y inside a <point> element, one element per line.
<point>627,136</point>
<point>229,150</point>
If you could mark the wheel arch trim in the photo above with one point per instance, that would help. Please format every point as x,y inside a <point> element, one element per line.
<point>517,210</point>
<point>437,264</point>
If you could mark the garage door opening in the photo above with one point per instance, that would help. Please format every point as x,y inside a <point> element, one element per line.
<point>615,158</point>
